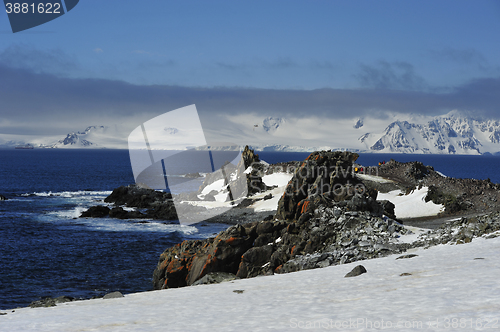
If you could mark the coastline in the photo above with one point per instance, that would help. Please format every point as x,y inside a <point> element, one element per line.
<point>248,215</point>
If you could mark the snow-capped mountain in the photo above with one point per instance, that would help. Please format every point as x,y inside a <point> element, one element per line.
<point>359,123</point>
<point>78,139</point>
<point>452,133</point>
<point>271,124</point>
<point>91,137</point>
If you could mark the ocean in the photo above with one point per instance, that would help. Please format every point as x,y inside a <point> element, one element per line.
<point>46,250</point>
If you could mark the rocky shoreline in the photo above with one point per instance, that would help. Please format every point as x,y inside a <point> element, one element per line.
<point>327,216</point>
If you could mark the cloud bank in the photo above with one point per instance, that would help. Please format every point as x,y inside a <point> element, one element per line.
<point>40,103</point>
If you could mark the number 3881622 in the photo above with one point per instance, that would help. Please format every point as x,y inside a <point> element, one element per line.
<point>25,8</point>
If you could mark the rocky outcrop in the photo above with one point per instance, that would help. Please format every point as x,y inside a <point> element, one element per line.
<point>158,204</point>
<point>337,226</point>
<point>3,198</point>
<point>189,261</point>
<point>328,236</point>
<point>317,226</point>
<point>323,178</point>
<point>137,196</point>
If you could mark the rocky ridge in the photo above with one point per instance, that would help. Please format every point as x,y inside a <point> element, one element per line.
<point>316,226</point>
<point>457,195</point>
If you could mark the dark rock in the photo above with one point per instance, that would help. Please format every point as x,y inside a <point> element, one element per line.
<point>215,278</point>
<point>3,198</point>
<point>113,295</point>
<point>388,207</point>
<point>238,291</point>
<point>254,260</point>
<point>407,256</point>
<point>263,239</point>
<point>358,270</point>
<point>189,261</point>
<point>268,218</point>
<point>268,196</point>
<point>119,213</point>
<point>193,175</point>
<point>323,177</point>
<point>98,211</point>
<point>50,302</point>
<point>163,211</point>
<point>245,203</point>
<point>264,227</point>
<point>136,196</point>
<point>405,274</point>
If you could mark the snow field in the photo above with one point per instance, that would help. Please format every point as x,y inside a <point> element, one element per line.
<point>445,285</point>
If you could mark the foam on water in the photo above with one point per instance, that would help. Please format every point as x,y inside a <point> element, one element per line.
<point>68,194</point>
<point>131,225</point>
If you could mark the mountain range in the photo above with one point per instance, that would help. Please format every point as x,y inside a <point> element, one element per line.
<point>451,133</point>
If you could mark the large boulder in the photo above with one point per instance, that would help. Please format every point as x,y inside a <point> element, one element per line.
<point>3,198</point>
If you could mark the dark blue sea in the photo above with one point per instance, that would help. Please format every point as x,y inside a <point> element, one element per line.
<point>46,250</point>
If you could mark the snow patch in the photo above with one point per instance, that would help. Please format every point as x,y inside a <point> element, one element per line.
<point>412,205</point>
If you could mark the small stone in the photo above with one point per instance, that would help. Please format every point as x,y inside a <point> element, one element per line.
<point>358,270</point>
<point>113,295</point>
<point>407,256</point>
<point>405,274</point>
<point>238,291</point>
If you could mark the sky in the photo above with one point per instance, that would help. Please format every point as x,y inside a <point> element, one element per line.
<point>124,62</point>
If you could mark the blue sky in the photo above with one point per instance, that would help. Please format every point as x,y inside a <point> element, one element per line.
<point>230,53</point>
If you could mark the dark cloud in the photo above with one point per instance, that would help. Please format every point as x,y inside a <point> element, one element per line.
<point>29,100</point>
<point>279,63</point>
<point>232,66</point>
<point>385,75</point>
<point>39,61</point>
<point>467,56</point>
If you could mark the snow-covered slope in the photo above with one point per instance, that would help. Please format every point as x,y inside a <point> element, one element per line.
<point>446,287</point>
